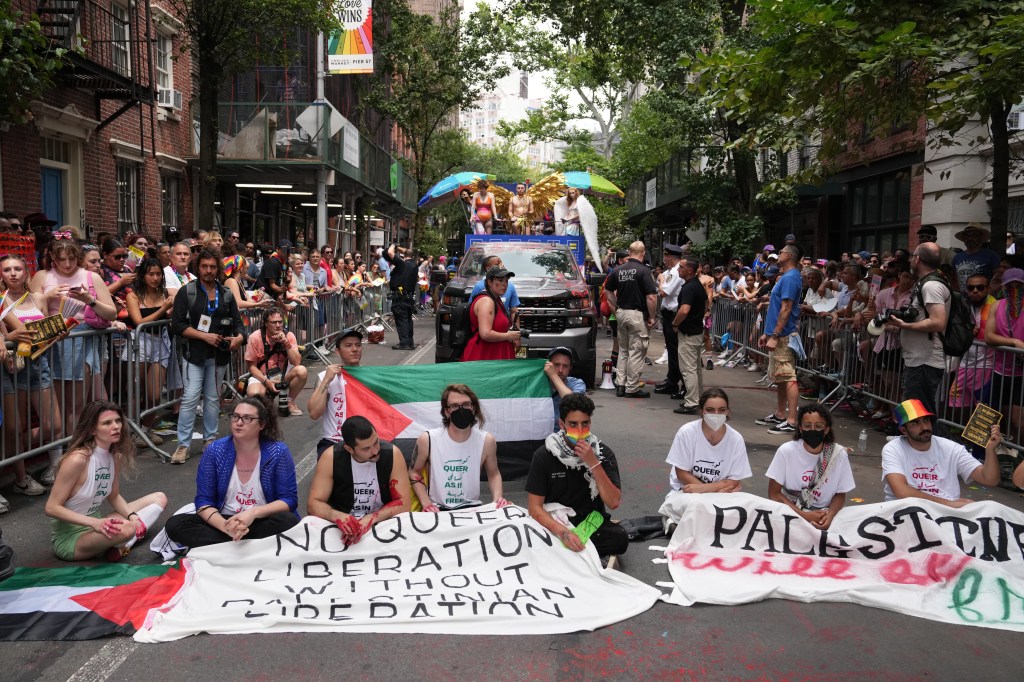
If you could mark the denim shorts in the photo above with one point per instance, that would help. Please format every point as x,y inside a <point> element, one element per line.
<point>34,376</point>
<point>69,357</point>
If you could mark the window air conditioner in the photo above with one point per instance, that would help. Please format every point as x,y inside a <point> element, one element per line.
<point>166,97</point>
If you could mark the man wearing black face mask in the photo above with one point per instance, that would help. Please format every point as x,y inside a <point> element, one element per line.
<point>446,474</point>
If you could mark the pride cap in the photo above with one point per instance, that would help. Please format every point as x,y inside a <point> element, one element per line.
<point>909,410</point>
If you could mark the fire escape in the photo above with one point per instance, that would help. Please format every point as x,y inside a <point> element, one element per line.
<point>111,52</point>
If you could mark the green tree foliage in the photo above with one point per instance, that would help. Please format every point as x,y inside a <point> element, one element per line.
<point>28,63</point>
<point>427,70</point>
<point>226,37</point>
<point>838,66</point>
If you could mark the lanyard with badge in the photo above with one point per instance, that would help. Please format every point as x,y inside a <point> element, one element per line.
<point>206,320</point>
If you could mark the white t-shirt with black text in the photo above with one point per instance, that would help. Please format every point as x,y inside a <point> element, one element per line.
<point>692,452</point>
<point>793,468</point>
<point>933,471</point>
<point>365,489</point>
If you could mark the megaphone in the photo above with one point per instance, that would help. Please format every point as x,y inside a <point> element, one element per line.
<point>876,326</point>
<point>606,379</point>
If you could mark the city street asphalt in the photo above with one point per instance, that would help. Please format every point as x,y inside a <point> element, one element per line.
<point>771,640</point>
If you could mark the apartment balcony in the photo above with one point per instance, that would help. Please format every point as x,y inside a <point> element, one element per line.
<point>298,138</point>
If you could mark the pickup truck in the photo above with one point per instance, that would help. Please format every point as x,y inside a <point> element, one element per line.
<point>556,305</point>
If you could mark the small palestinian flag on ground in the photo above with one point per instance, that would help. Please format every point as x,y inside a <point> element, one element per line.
<point>83,602</point>
<point>403,401</point>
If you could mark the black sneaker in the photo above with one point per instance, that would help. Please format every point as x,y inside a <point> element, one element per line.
<point>770,420</point>
<point>783,428</point>
<point>620,391</point>
<point>687,410</point>
<point>666,389</point>
<point>639,394</point>
<point>710,365</point>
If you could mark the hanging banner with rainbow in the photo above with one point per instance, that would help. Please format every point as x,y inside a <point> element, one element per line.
<point>350,49</point>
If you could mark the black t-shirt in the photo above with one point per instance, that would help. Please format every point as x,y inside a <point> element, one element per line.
<point>556,482</point>
<point>693,294</point>
<point>404,274</point>
<point>272,271</point>
<point>632,283</point>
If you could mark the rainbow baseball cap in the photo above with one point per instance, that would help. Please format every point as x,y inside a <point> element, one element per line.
<point>909,410</point>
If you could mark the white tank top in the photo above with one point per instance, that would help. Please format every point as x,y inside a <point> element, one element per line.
<point>241,496</point>
<point>455,468</point>
<point>334,412</point>
<point>99,479</point>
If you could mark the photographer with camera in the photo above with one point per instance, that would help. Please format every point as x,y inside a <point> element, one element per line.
<point>275,364</point>
<point>921,326</point>
<point>206,314</point>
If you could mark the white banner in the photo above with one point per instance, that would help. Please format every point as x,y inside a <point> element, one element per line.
<point>651,195</point>
<point>963,566</point>
<point>483,571</point>
<point>350,144</point>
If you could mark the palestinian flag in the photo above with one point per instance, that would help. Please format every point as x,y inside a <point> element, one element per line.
<point>404,401</point>
<point>83,602</point>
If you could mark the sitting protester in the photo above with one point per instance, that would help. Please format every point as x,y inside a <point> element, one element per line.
<point>360,482</point>
<point>245,483</point>
<point>708,455</point>
<point>89,473</point>
<point>557,370</point>
<point>920,465</point>
<point>453,455</point>
<point>811,474</point>
<point>576,470</point>
<point>327,404</point>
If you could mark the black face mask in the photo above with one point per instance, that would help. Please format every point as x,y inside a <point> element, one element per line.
<point>462,418</point>
<point>813,438</point>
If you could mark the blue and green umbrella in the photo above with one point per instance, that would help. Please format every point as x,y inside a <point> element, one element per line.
<point>447,190</point>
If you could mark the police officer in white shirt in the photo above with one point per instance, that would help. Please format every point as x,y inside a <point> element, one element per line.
<point>668,288</point>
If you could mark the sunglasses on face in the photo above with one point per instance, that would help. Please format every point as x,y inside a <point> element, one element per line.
<point>119,256</point>
<point>976,287</point>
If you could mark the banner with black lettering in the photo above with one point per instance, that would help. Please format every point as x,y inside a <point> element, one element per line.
<point>482,571</point>
<point>916,557</point>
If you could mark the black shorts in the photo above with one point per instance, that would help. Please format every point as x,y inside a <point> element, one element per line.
<point>1007,390</point>
<point>891,359</point>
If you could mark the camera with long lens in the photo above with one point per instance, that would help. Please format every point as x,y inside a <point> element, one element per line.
<point>223,345</point>
<point>282,397</point>
<point>877,324</point>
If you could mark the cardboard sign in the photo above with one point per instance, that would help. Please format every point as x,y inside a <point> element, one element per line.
<point>979,426</point>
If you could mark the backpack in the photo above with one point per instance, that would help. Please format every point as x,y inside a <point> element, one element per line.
<point>960,331</point>
<point>459,330</point>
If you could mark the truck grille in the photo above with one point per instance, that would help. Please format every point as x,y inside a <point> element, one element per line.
<point>542,325</point>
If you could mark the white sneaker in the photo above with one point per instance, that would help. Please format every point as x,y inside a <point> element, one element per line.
<point>29,487</point>
<point>49,476</point>
<point>754,367</point>
<point>724,354</point>
<point>663,360</point>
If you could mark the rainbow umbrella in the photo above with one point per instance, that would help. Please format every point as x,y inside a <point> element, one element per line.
<point>591,183</point>
<point>446,191</point>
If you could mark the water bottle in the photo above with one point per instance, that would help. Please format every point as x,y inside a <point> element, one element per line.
<point>862,442</point>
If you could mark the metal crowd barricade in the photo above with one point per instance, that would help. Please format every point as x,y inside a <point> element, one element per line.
<point>87,365</point>
<point>843,366</point>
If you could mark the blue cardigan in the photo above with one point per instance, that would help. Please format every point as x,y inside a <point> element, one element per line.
<point>277,473</point>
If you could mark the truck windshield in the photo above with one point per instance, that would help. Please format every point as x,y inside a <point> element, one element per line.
<point>527,263</point>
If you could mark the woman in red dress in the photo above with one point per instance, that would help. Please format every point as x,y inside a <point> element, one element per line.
<point>490,338</point>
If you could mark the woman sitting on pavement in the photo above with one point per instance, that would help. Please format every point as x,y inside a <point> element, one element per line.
<point>812,474</point>
<point>245,484</point>
<point>489,322</point>
<point>708,455</point>
<point>455,453</point>
<point>89,473</point>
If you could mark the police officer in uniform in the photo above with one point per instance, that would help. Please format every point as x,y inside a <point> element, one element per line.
<point>403,294</point>
<point>634,295</point>
<point>669,290</point>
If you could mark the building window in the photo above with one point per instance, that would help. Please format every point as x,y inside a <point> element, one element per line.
<point>164,64</point>
<point>120,43</point>
<point>55,150</point>
<point>170,185</point>
<point>127,196</point>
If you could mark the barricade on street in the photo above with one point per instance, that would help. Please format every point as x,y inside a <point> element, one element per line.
<point>846,366</point>
<point>141,370</point>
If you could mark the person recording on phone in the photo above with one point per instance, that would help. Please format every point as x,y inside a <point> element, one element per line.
<point>206,314</point>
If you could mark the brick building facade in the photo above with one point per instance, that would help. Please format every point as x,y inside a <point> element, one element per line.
<point>107,148</point>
